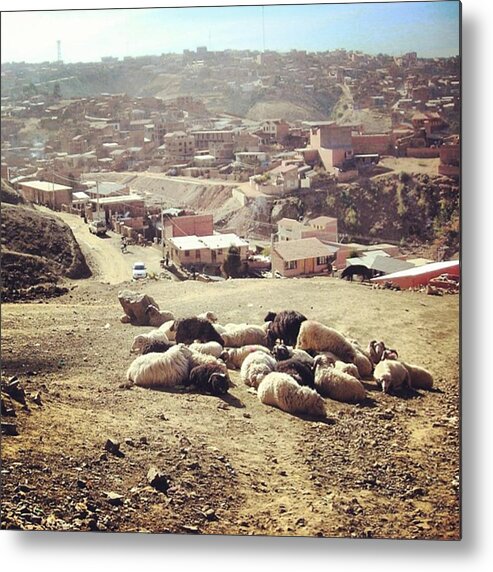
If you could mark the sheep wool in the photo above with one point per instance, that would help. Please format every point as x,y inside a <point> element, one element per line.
<point>160,369</point>
<point>318,337</point>
<point>234,357</point>
<point>211,348</point>
<point>168,329</point>
<point>420,377</point>
<point>141,340</point>
<point>349,368</point>
<point>282,391</point>
<point>244,335</point>
<point>391,375</point>
<point>336,384</point>
<point>255,367</point>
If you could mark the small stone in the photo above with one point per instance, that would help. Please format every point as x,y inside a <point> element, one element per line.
<point>210,515</point>
<point>143,441</point>
<point>157,479</point>
<point>113,447</point>
<point>190,529</point>
<point>9,429</point>
<point>114,498</point>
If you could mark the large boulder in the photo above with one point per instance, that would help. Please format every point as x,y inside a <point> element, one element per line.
<point>142,310</point>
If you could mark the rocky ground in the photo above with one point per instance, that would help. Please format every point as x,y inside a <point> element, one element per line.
<point>84,452</point>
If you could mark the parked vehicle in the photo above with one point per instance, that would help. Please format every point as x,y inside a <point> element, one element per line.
<point>97,227</point>
<point>139,270</point>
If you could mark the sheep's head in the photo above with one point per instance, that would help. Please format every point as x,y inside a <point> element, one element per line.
<point>219,383</point>
<point>281,352</point>
<point>390,354</point>
<point>270,316</point>
<point>323,361</point>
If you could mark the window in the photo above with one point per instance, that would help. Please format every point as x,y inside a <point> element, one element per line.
<point>291,265</point>
<point>197,254</point>
<point>321,260</point>
<point>187,253</point>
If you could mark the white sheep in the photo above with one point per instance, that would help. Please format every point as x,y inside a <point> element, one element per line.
<point>211,316</point>
<point>336,384</point>
<point>234,357</point>
<point>282,391</point>
<point>349,368</point>
<point>391,375</point>
<point>318,337</point>
<point>167,329</point>
<point>363,363</point>
<point>282,352</point>
<point>196,358</point>
<point>160,369</point>
<point>212,348</point>
<point>420,378</point>
<point>255,367</point>
<point>244,336</point>
<point>141,340</point>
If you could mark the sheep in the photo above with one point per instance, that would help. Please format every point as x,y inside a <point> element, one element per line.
<point>336,384</point>
<point>156,346</point>
<point>219,329</point>
<point>282,352</point>
<point>419,377</point>
<point>349,368</point>
<point>363,363</point>
<point>299,371</point>
<point>284,326</point>
<point>160,369</point>
<point>391,375</point>
<point>318,337</point>
<point>234,357</point>
<point>390,354</point>
<point>188,330</point>
<point>210,316</point>
<point>244,336</point>
<point>375,351</point>
<point>282,391</point>
<point>142,340</point>
<point>255,367</point>
<point>208,378</point>
<point>211,348</point>
<point>167,328</point>
<point>196,358</point>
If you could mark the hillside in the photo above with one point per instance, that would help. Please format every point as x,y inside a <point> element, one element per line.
<point>38,251</point>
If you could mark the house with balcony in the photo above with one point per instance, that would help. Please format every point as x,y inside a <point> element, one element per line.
<point>303,257</point>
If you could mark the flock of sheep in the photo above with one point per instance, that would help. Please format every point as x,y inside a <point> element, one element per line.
<point>292,362</point>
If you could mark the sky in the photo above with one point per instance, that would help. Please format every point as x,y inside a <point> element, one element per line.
<point>429,28</point>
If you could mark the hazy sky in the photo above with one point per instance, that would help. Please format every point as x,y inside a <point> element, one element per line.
<point>429,28</point>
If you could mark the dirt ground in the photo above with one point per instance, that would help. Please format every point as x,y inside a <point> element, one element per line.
<point>388,468</point>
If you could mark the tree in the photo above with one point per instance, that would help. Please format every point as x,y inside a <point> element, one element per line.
<point>57,92</point>
<point>232,263</point>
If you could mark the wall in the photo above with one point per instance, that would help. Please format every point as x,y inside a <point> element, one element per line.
<point>371,144</point>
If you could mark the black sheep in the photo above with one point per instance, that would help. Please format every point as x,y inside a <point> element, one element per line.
<point>285,327</point>
<point>157,346</point>
<point>208,378</point>
<point>298,370</point>
<point>188,330</point>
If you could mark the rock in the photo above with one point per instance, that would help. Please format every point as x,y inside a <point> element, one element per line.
<point>6,407</point>
<point>157,479</point>
<point>36,398</point>
<point>210,515</point>
<point>9,429</point>
<point>114,498</point>
<point>190,529</point>
<point>15,390</point>
<point>142,310</point>
<point>113,447</point>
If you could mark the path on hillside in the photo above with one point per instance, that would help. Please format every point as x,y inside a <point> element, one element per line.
<point>104,256</point>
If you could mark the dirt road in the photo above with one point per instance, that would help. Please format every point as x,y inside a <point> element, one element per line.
<point>104,255</point>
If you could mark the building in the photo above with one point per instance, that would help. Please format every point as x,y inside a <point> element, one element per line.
<point>333,143</point>
<point>421,275</point>
<point>450,158</point>
<point>301,257</point>
<point>324,228</point>
<point>178,146</point>
<point>45,193</point>
<point>274,131</point>
<point>198,225</point>
<point>202,251</point>
<point>219,143</point>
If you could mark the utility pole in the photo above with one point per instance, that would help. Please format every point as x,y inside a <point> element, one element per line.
<point>162,230</point>
<point>97,200</point>
<point>271,252</point>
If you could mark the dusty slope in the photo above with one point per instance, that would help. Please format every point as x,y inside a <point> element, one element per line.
<point>234,465</point>
<point>38,248</point>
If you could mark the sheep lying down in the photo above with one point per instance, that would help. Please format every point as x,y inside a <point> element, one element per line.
<point>282,391</point>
